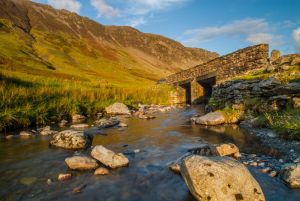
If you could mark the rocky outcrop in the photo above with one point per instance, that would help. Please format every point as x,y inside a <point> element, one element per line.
<point>70,139</point>
<point>108,157</point>
<point>291,176</point>
<point>117,108</point>
<point>81,163</point>
<point>219,178</point>
<point>271,92</point>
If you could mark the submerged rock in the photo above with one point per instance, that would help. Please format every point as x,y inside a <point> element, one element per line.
<point>117,108</point>
<point>70,139</point>
<point>291,176</point>
<point>28,180</point>
<point>107,123</point>
<point>101,171</point>
<point>219,178</point>
<point>108,157</point>
<point>79,188</point>
<point>81,163</point>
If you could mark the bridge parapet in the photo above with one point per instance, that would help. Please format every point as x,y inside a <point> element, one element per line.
<point>233,64</point>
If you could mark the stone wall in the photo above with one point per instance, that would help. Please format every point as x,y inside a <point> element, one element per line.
<point>236,63</point>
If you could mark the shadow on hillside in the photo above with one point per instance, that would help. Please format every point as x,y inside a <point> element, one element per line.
<point>16,81</point>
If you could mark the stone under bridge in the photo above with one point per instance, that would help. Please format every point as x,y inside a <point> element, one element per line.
<point>194,85</point>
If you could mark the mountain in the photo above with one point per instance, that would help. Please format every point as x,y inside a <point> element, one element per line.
<point>39,40</point>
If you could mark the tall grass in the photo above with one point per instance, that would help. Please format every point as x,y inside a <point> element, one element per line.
<point>26,101</point>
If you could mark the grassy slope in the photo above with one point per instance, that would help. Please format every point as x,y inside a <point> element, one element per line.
<point>47,77</point>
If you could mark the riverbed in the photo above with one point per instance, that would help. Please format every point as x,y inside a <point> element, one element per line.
<point>27,164</point>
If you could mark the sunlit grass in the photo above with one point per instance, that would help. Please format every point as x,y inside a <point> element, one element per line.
<point>29,100</point>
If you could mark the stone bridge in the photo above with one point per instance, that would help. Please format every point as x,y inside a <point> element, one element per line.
<point>194,85</point>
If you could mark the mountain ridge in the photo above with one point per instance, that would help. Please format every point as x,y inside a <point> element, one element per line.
<point>65,42</point>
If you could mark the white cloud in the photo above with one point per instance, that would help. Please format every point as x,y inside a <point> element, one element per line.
<point>133,12</point>
<point>71,5</point>
<point>137,21</point>
<point>258,38</point>
<point>104,9</point>
<point>296,36</point>
<point>144,7</point>
<point>254,31</point>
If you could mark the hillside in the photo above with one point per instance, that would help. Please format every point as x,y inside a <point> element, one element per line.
<point>39,40</point>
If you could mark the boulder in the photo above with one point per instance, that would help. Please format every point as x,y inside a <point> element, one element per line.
<point>228,150</point>
<point>117,108</point>
<point>108,157</point>
<point>26,133</point>
<point>210,119</point>
<point>106,123</point>
<point>70,139</point>
<point>81,163</point>
<point>291,175</point>
<point>219,178</point>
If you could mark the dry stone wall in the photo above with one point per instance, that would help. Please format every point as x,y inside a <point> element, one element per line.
<point>236,63</point>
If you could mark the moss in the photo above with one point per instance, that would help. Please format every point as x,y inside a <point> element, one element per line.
<point>232,115</point>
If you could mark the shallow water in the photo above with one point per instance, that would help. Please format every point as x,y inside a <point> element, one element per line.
<point>26,164</point>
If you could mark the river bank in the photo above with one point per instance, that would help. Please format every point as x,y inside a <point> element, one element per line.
<point>25,162</point>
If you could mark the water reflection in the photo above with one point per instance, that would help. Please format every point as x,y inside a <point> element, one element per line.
<point>161,141</point>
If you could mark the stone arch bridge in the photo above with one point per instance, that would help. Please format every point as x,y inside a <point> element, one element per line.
<point>194,85</point>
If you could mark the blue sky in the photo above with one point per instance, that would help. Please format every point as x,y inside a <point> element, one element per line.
<point>217,25</point>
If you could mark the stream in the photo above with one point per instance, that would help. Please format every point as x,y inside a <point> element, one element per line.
<point>26,164</point>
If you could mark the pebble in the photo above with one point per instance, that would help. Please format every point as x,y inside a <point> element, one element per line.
<point>49,181</point>
<point>254,164</point>
<point>281,161</point>
<point>64,176</point>
<point>262,164</point>
<point>79,188</point>
<point>265,170</point>
<point>80,126</point>
<point>273,173</point>
<point>101,171</point>
<point>175,167</point>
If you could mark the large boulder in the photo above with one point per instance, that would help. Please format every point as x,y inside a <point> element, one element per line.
<point>211,119</point>
<point>81,163</point>
<point>108,157</point>
<point>291,176</point>
<point>70,139</point>
<point>117,108</point>
<point>219,178</point>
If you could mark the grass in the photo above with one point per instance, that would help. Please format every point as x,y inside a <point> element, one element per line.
<point>286,123</point>
<point>30,100</point>
<point>285,76</point>
<point>47,77</point>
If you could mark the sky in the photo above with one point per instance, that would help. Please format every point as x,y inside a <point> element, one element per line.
<point>221,26</point>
